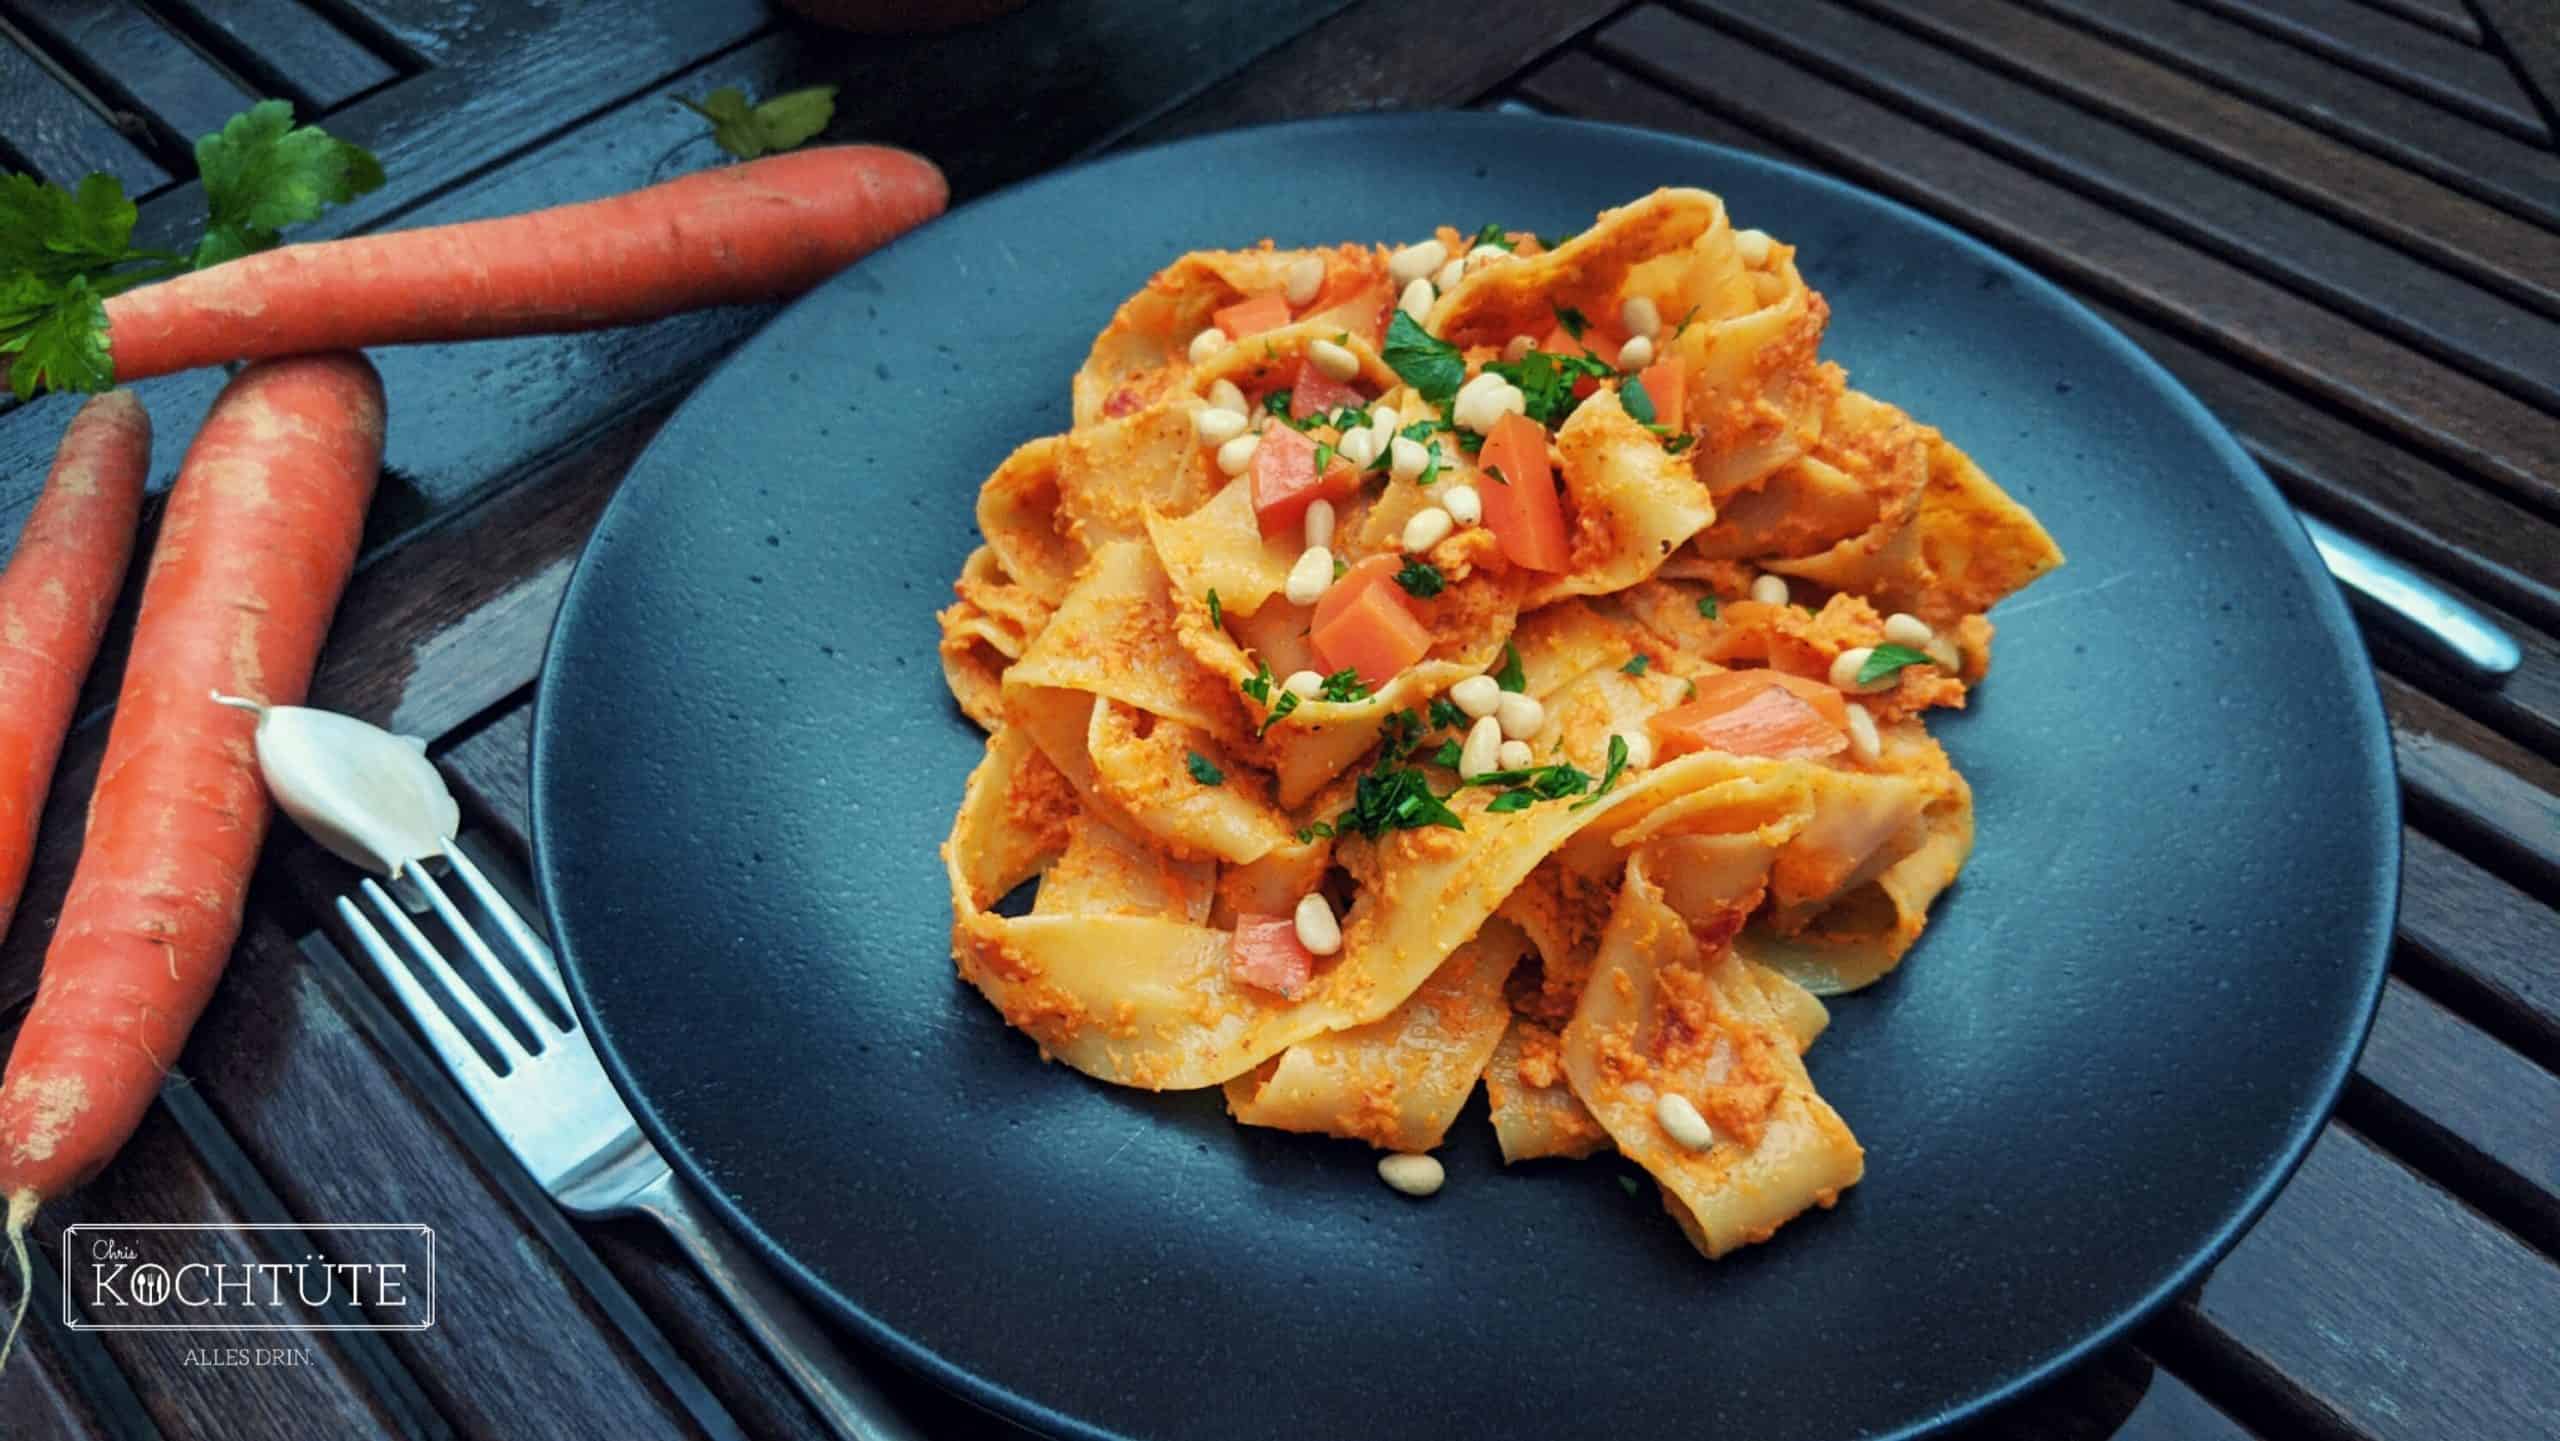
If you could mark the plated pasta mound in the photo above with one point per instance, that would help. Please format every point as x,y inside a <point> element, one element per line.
<point>1495,658</point>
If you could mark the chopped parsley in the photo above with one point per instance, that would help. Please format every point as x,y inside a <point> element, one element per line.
<point>1608,777</point>
<point>1678,443</point>
<point>1889,659</point>
<point>1277,402</point>
<point>1630,1185</point>
<point>1526,787</point>
<point>1402,731</point>
<point>1639,403</point>
<point>1445,714</point>
<point>1259,688</point>
<point>1493,235</point>
<point>1424,429</point>
<point>1432,366</point>
<point>1546,382</point>
<point>1201,770</point>
<point>1707,606</point>
<point>1324,455</point>
<point>1511,677</point>
<point>1216,616</point>
<point>1395,797</point>
<point>1639,665</point>
<point>1341,567</point>
<point>1572,321</point>
<point>1343,687</point>
<point>1420,578</point>
<point>1279,712</point>
<point>1510,801</point>
<point>1310,832</point>
<point>1449,754</point>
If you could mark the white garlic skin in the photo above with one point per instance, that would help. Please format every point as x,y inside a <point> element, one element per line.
<point>366,795</point>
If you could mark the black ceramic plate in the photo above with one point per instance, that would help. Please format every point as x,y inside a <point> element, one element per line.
<point>2124,1027</point>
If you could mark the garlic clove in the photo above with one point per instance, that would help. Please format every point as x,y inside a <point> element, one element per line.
<point>363,793</point>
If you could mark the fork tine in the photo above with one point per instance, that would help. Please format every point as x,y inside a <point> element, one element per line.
<point>500,974</point>
<point>461,1057</point>
<point>516,931</point>
<point>419,950</point>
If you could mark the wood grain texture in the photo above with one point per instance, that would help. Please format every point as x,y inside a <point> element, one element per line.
<point>2514,174</point>
<point>2528,35</point>
<point>58,134</point>
<point>2459,1105</point>
<point>2486,245</point>
<point>2483,945</point>
<point>2446,71</point>
<point>290,48</point>
<point>130,58</point>
<point>2475,788</point>
<point>2449,16</point>
<point>2071,236</point>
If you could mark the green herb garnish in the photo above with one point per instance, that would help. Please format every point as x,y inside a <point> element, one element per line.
<point>1511,677</point>
<point>1639,665</point>
<point>1433,367</point>
<point>785,122</point>
<point>1608,777</point>
<point>1419,578</point>
<point>1493,235</point>
<point>1392,797</point>
<point>1678,443</point>
<point>1707,606</point>
<point>1277,402</point>
<point>1889,659</point>
<point>1639,404</point>
<point>1449,754</point>
<point>1343,687</point>
<point>1217,617</point>
<point>1546,382</point>
<point>1445,714</point>
<point>1201,770</point>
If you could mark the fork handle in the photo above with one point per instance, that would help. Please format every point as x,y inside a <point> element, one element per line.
<point>816,1363</point>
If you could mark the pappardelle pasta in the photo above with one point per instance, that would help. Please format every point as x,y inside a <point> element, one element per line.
<point>1491,659</point>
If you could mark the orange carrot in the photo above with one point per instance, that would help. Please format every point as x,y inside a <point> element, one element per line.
<point>759,231</point>
<point>1519,495</point>
<point>258,540</point>
<point>54,602</point>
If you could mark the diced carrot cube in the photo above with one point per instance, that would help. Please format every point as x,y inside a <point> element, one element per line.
<point>1285,481</point>
<point>1519,495</point>
<point>1253,315</point>
<point>1266,955</point>
<point>1759,715</point>
<point>1666,384</point>
<point>1375,635</point>
<point>1312,392</point>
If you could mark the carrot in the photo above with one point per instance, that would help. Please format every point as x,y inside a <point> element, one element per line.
<point>1666,384</point>
<point>1253,315</point>
<point>1375,636</point>
<point>1285,481</point>
<point>54,601</point>
<point>1762,718</point>
<point>1266,954</point>
<point>1519,495</point>
<point>1312,392</point>
<point>1365,572</point>
<point>258,540</point>
<point>759,231</point>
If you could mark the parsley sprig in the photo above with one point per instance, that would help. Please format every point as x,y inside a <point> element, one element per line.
<point>1260,689</point>
<point>1432,366</point>
<point>1546,382</point>
<point>1203,769</point>
<point>64,252</point>
<point>1420,578</point>
<point>1343,687</point>
<point>784,122</point>
<point>1889,660</point>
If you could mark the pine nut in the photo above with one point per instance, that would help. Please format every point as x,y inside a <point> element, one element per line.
<point>1305,277</point>
<point>1333,362</point>
<point>1426,528</point>
<point>1224,395</point>
<point>1752,246</point>
<point>1414,1175</point>
<point>1383,420</point>
<point>1639,749</point>
<point>1942,654</point>
<point>1845,668</point>
<point>1310,578</point>
<point>1864,742</point>
<point>1304,684</point>
<point>1318,931</point>
<point>1448,276</point>
<point>1416,261</point>
<point>1216,426</point>
<point>1463,504</point>
<point>1484,255</point>
<point>1483,750</point>
<point>1520,346</point>
<point>1516,756</point>
<point>1521,716</point>
<point>1417,298</point>
<point>1770,590</point>
<point>1906,629</point>
<point>1639,316</point>
<point>1407,459</point>
<point>1477,695</point>
<point>1235,456</point>
<point>1636,354</point>
<point>1680,1120</point>
<point>1207,343</point>
<point>1320,523</point>
<point>1358,447</point>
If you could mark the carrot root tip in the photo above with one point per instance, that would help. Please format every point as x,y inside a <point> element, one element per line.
<point>22,1214</point>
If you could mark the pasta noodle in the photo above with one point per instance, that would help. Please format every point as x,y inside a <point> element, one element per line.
<point>1488,659</point>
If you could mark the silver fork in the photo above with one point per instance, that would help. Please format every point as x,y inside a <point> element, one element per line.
<point>534,1076</point>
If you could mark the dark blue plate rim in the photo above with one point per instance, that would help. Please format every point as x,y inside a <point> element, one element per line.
<point>2366,730</point>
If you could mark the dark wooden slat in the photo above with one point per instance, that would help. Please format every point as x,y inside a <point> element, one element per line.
<point>290,48</point>
<point>2454,321</point>
<point>2388,1308</point>
<point>2342,469</point>
<point>2446,71</point>
<point>2476,788</point>
<point>58,133</point>
<point>2064,232</point>
<point>78,1365</point>
<point>2458,1104</point>
<point>2482,945</point>
<point>158,1178</point>
<point>2524,31</point>
<point>2488,246</point>
<point>2514,174</point>
<point>40,1400</point>
<point>2448,16</point>
<point>2120,1396</point>
<point>1340,65</point>
<point>134,60</point>
<point>491,770</point>
<point>2525,708</point>
<point>297,1077</point>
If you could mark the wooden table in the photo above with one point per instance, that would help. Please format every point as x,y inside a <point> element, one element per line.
<point>2338,221</point>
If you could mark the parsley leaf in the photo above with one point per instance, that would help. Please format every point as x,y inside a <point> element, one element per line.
<point>1639,665</point>
<point>1277,402</point>
<point>1888,660</point>
<point>1639,403</point>
<point>1432,366</point>
<point>1546,382</point>
<point>1678,443</point>
<point>1393,797</point>
<point>1201,769</point>
<point>1707,606</point>
<point>1401,733</point>
<point>1343,686</point>
<point>782,123</point>
<point>1341,567</point>
<point>61,345</point>
<point>1258,685</point>
<point>1288,703</point>
<point>1545,783</point>
<point>1419,578</point>
<point>262,173</point>
<point>1493,235</point>
<point>1449,754</point>
<point>1446,716</point>
<point>1511,677</point>
<point>1510,801</point>
<point>1216,615</point>
<point>1424,429</point>
<point>52,234</point>
<point>1571,319</point>
<point>1608,777</point>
